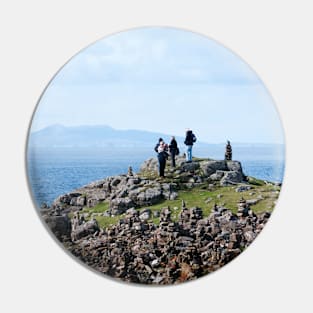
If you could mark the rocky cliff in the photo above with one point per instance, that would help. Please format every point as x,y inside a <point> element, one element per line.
<point>144,189</point>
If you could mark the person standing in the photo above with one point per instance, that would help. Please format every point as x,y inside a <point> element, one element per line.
<point>189,141</point>
<point>161,148</point>
<point>157,145</point>
<point>173,150</point>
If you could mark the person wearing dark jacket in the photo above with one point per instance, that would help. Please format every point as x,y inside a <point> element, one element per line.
<point>173,150</point>
<point>157,145</point>
<point>161,149</point>
<point>189,141</point>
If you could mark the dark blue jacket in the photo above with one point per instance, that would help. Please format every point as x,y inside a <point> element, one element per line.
<point>190,138</point>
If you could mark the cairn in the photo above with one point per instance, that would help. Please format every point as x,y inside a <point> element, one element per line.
<point>243,208</point>
<point>139,251</point>
<point>130,171</point>
<point>228,152</point>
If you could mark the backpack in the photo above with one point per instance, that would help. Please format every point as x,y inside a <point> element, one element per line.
<point>177,151</point>
<point>194,138</point>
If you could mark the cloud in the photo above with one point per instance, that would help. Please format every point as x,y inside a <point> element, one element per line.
<point>156,55</point>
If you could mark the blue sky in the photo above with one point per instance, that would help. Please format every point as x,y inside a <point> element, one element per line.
<point>165,80</point>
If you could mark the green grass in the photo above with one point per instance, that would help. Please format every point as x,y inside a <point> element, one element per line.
<point>99,208</point>
<point>197,197</point>
<point>255,181</point>
<point>105,221</point>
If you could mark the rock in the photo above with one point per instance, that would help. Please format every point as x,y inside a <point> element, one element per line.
<point>67,198</point>
<point>149,196</point>
<point>81,200</point>
<point>173,195</point>
<point>131,212</point>
<point>252,201</point>
<point>44,206</point>
<point>210,167</point>
<point>92,202</point>
<point>249,236</point>
<point>120,205</point>
<point>133,181</point>
<point>145,215</point>
<point>59,225</point>
<point>217,175</point>
<point>231,178</point>
<point>189,167</point>
<point>130,171</point>
<point>121,193</point>
<point>138,251</point>
<point>155,263</point>
<point>243,188</point>
<point>85,229</point>
<point>156,213</point>
<point>234,166</point>
<point>116,181</point>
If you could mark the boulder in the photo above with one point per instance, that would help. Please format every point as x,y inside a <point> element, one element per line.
<point>189,167</point>
<point>120,205</point>
<point>81,200</point>
<point>217,175</point>
<point>60,225</point>
<point>210,167</point>
<point>92,202</point>
<point>149,196</point>
<point>234,166</point>
<point>85,229</point>
<point>145,215</point>
<point>231,178</point>
<point>173,195</point>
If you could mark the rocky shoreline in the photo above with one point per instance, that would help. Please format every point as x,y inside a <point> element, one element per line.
<point>136,249</point>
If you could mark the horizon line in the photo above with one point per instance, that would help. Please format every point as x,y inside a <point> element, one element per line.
<point>150,131</point>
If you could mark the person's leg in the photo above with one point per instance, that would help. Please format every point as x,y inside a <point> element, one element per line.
<point>189,153</point>
<point>163,167</point>
<point>160,166</point>
<point>173,158</point>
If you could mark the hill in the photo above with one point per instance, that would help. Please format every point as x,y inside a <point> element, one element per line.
<point>95,136</point>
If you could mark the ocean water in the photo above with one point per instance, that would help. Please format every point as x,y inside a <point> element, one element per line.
<point>53,172</point>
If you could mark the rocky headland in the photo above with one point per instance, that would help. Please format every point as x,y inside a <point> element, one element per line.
<point>140,228</point>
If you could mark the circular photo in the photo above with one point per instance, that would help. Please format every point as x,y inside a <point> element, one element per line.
<point>155,156</point>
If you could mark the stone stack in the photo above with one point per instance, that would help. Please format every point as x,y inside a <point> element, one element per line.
<point>228,152</point>
<point>139,251</point>
<point>243,208</point>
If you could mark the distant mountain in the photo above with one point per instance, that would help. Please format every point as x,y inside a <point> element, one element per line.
<point>95,136</point>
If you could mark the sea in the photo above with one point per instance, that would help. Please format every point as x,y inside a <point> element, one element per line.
<point>56,171</point>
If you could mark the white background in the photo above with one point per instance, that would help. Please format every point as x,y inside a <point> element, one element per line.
<point>275,273</point>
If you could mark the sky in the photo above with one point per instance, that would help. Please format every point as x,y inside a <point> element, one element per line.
<point>165,80</point>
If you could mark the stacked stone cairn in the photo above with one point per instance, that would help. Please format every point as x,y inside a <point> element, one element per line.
<point>137,250</point>
<point>228,152</point>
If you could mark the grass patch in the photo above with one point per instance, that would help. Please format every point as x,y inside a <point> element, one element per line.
<point>106,221</point>
<point>197,197</point>
<point>255,181</point>
<point>99,208</point>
